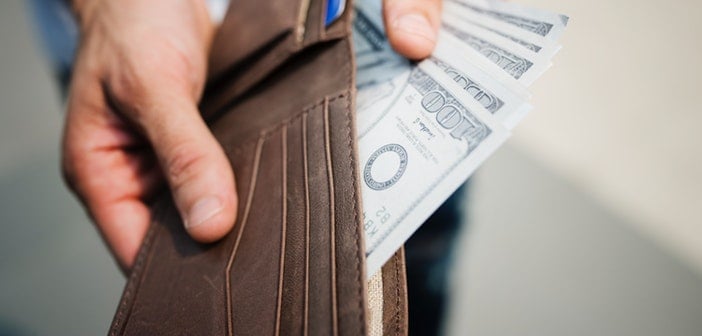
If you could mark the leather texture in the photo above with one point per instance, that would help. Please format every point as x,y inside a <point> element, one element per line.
<point>280,100</point>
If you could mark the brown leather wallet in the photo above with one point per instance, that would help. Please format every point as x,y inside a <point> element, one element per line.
<point>280,100</point>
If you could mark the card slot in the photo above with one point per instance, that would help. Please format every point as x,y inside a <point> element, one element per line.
<point>314,27</point>
<point>305,165</point>
<point>316,30</point>
<point>177,257</point>
<point>294,271</point>
<point>246,187</point>
<point>341,26</point>
<point>295,218</point>
<point>351,277</point>
<point>320,315</point>
<point>255,268</point>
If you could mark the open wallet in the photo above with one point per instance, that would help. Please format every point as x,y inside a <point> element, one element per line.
<point>280,100</point>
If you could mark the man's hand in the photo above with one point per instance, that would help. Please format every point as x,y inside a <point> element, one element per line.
<point>133,122</point>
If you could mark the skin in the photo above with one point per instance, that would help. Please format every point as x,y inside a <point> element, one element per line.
<point>133,125</point>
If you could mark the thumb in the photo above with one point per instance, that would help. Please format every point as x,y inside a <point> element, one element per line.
<point>194,164</point>
<point>412,26</point>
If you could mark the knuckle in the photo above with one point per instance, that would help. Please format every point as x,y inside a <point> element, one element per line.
<point>146,81</point>
<point>128,84</point>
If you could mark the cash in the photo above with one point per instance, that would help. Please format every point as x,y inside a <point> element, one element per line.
<point>424,128</point>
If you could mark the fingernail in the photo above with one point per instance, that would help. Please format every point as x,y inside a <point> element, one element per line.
<point>203,210</point>
<point>415,24</point>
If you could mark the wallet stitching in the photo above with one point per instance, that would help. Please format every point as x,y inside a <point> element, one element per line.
<point>332,217</point>
<point>359,257</point>
<point>281,269</point>
<point>307,225</point>
<point>360,281</point>
<point>244,219</point>
<point>397,294</point>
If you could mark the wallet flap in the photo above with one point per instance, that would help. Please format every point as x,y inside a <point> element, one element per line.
<point>249,26</point>
<point>235,69</point>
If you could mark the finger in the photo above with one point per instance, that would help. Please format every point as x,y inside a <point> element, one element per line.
<point>112,193</point>
<point>123,223</point>
<point>192,161</point>
<point>108,180</point>
<point>113,185</point>
<point>412,26</point>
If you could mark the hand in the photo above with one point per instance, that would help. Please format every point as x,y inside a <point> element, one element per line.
<point>133,123</point>
<point>412,26</point>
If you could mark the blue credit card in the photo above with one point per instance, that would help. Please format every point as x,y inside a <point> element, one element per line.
<point>334,10</point>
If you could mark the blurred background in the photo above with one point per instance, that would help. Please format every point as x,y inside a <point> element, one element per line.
<point>588,222</point>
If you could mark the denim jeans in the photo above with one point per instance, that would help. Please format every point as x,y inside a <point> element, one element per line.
<point>429,256</point>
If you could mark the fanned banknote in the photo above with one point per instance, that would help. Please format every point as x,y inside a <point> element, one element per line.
<point>424,128</point>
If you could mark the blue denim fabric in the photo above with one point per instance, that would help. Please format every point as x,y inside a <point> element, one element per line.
<point>429,257</point>
<point>58,32</point>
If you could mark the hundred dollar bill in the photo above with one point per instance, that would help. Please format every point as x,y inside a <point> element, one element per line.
<point>450,44</point>
<point>522,64</point>
<point>539,22</point>
<point>379,78</point>
<point>380,72</point>
<point>508,103</point>
<point>533,42</point>
<point>423,128</point>
<point>376,62</point>
<point>431,136</point>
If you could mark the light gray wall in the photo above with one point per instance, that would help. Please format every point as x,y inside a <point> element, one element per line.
<point>543,254</point>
